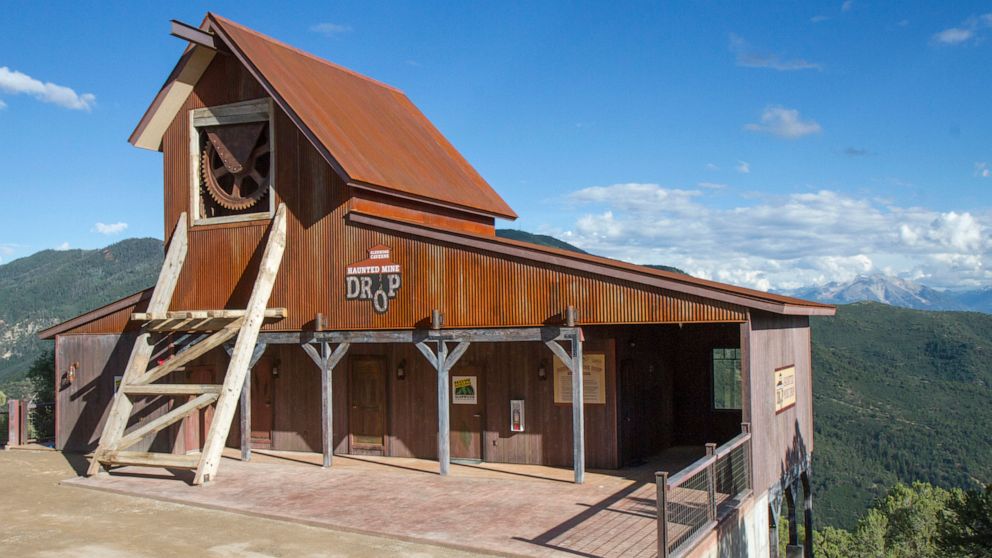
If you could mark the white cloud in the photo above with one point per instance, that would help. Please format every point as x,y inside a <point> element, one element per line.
<point>982,170</point>
<point>711,185</point>
<point>743,167</point>
<point>748,57</point>
<point>785,123</point>
<point>847,5</point>
<point>953,36</point>
<point>783,242</point>
<point>818,18</point>
<point>3,105</point>
<point>113,228</point>
<point>62,247</point>
<point>330,29</point>
<point>970,30</point>
<point>12,81</point>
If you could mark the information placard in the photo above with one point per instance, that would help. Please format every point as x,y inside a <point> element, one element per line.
<point>593,380</point>
<point>785,388</point>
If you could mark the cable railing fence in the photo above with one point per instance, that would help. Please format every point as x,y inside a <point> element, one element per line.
<point>689,501</point>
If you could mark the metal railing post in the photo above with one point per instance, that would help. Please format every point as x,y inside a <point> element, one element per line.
<point>746,429</point>
<point>711,482</point>
<point>661,482</point>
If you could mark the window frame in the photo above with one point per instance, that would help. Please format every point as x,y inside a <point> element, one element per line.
<point>713,380</point>
<point>255,110</point>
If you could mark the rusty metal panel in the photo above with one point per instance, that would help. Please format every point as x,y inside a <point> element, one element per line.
<point>371,130</point>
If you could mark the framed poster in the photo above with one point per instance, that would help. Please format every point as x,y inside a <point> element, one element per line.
<point>464,390</point>
<point>593,380</point>
<point>785,388</point>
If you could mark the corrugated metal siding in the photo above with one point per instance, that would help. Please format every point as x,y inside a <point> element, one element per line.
<point>115,322</point>
<point>474,288</point>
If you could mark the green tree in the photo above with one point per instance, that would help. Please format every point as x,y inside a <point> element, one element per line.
<point>42,378</point>
<point>967,529</point>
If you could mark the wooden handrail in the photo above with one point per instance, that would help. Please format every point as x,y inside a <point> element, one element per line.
<point>733,444</point>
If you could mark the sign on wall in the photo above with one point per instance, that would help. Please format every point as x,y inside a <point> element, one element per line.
<point>785,388</point>
<point>593,380</point>
<point>377,279</point>
<point>464,390</point>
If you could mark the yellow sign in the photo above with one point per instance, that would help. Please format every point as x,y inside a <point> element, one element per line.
<point>785,388</point>
<point>593,380</point>
<point>464,390</point>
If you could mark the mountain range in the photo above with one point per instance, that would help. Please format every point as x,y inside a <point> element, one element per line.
<point>896,292</point>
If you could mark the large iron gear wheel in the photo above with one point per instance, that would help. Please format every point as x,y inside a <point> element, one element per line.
<point>235,191</point>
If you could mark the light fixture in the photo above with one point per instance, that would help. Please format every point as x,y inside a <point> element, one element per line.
<point>275,367</point>
<point>542,371</point>
<point>401,370</point>
<point>70,375</point>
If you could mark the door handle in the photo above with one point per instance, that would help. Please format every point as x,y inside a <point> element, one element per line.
<point>477,415</point>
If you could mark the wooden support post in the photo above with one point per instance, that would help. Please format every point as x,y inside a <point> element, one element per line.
<point>13,422</point>
<point>808,513</point>
<point>246,419</point>
<point>137,364</point>
<point>661,487</point>
<point>711,481</point>
<point>578,411</point>
<point>790,505</point>
<point>443,411</point>
<point>326,361</point>
<point>443,361</point>
<point>245,400</point>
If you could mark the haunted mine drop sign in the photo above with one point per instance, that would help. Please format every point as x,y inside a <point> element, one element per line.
<point>377,279</point>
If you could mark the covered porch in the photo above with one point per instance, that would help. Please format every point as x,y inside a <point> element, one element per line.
<point>504,509</point>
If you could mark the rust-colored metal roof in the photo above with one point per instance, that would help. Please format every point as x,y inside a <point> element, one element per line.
<point>371,133</point>
<point>606,267</point>
<point>112,317</point>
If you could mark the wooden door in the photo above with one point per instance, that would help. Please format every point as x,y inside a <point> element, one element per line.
<point>198,424</point>
<point>262,408</point>
<point>467,416</point>
<point>367,402</point>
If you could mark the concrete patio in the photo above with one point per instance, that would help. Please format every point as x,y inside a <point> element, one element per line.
<point>495,508</point>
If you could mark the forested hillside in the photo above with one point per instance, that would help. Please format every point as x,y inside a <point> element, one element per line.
<point>899,395</point>
<point>51,285</point>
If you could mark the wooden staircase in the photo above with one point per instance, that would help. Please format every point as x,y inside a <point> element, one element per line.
<point>215,327</point>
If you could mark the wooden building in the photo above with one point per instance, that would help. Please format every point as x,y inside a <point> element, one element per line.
<point>334,284</point>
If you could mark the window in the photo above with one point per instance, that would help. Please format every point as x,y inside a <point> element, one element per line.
<point>232,162</point>
<point>727,379</point>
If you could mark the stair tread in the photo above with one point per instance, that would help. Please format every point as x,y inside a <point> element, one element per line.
<point>150,459</point>
<point>172,389</point>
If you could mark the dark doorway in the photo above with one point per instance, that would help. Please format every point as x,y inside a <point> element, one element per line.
<point>367,402</point>
<point>467,406</point>
<point>262,409</point>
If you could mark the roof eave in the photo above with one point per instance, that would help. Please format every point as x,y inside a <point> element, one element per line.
<point>95,314</point>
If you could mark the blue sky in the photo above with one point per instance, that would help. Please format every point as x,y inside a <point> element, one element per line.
<point>772,146</point>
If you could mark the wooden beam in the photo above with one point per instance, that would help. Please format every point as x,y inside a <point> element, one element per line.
<point>162,422</point>
<point>165,286</point>
<point>171,389</point>
<point>246,419</point>
<point>194,35</point>
<point>145,459</point>
<point>578,412</point>
<point>243,347</point>
<point>428,354</point>
<point>204,314</point>
<point>191,353</point>
<point>482,335</point>
<point>456,354</point>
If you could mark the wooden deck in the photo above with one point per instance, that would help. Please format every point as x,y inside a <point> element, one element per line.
<point>492,508</point>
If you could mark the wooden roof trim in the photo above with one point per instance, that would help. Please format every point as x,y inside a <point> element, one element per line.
<point>609,268</point>
<point>427,201</point>
<point>95,314</point>
<point>151,128</point>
